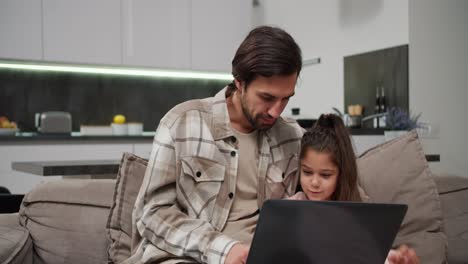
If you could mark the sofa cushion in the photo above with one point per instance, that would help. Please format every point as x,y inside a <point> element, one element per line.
<point>453,193</point>
<point>397,172</point>
<point>15,242</point>
<point>67,220</point>
<point>119,225</point>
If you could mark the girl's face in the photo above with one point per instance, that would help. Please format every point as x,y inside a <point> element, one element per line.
<point>319,175</point>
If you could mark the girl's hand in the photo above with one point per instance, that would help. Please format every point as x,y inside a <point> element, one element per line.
<point>238,254</point>
<point>402,255</point>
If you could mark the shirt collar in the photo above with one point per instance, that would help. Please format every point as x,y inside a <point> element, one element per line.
<point>221,123</point>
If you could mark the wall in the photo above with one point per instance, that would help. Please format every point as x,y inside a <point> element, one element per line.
<point>438,78</point>
<point>438,59</point>
<point>331,30</point>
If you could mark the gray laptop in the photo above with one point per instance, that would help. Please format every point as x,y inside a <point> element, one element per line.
<point>290,231</point>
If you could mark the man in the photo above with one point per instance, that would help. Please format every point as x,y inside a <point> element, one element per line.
<point>216,160</point>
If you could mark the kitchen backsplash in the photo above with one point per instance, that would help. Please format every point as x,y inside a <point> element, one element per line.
<point>95,99</point>
<point>367,73</point>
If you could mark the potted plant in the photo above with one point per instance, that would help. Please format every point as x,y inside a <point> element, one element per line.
<point>398,122</point>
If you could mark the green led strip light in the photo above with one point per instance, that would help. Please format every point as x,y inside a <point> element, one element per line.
<point>116,71</point>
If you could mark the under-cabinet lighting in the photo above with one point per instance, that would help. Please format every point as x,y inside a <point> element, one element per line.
<point>115,70</point>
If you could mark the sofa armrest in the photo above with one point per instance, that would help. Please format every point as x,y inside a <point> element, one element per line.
<point>67,220</point>
<point>15,242</point>
<point>453,192</point>
<point>91,192</point>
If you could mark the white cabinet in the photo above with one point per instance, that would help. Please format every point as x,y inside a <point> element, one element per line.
<point>156,33</point>
<point>183,34</point>
<point>364,142</point>
<point>218,28</point>
<point>85,31</point>
<point>171,34</point>
<point>20,29</point>
<point>142,150</point>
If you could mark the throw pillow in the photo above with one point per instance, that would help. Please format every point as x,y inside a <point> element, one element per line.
<point>453,191</point>
<point>119,225</point>
<point>397,172</point>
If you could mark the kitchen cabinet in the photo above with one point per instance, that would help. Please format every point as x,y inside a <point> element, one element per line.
<point>21,29</point>
<point>171,34</point>
<point>84,31</point>
<point>218,27</point>
<point>156,33</point>
<point>364,142</point>
<point>198,35</point>
<point>142,149</point>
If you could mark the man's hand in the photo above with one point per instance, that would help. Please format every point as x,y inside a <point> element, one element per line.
<point>402,255</point>
<point>238,254</point>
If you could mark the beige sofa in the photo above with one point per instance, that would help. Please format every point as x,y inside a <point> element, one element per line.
<point>77,212</point>
<point>89,221</point>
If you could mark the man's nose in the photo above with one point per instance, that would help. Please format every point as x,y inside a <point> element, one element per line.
<point>276,109</point>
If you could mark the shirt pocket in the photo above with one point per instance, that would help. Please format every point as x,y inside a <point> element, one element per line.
<point>199,185</point>
<point>282,178</point>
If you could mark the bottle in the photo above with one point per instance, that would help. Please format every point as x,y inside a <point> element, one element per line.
<point>377,107</point>
<point>383,108</point>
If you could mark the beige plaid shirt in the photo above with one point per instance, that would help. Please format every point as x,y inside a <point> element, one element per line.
<point>188,188</point>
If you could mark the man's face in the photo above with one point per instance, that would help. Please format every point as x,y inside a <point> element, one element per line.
<point>265,99</point>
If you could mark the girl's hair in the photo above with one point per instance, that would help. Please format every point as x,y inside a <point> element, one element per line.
<point>329,135</point>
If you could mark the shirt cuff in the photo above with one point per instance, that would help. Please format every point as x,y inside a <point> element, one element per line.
<point>218,249</point>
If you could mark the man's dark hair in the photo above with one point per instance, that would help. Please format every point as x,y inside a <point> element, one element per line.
<point>266,51</point>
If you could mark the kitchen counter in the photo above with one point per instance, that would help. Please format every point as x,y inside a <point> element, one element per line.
<point>68,168</point>
<point>308,123</point>
<point>366,131</point>
<point>75,136</point>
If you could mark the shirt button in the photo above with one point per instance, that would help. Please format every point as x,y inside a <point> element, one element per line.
<point>198,174</point>
<point>231,195</point>
<point>233,153</point>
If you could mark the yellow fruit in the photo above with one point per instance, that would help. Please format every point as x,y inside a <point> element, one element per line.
<point>4,124</point>
<point>119,119</point>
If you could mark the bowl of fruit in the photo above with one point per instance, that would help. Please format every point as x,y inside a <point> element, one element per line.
<point>7,127</point>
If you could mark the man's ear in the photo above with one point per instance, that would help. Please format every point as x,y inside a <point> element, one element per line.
<point>239,85</point>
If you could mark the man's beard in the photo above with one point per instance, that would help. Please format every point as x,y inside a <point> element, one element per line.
<point>254,121</point>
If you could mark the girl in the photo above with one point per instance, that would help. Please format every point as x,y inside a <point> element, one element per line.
<point>328,169</point>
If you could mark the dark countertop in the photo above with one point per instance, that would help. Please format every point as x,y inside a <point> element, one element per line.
<point>89,167</point>
<point>75,136</point>
<point>146,136</point>
<point>68,168</point>
<point>307,123</point>
<point>366,131</point>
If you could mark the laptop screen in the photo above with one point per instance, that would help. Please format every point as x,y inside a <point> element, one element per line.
<point>291,231</point>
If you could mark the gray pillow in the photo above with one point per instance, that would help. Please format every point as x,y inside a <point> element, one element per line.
<point>397,172</point>
<point>453,193</point>
<point>119,225</point>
